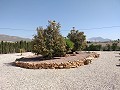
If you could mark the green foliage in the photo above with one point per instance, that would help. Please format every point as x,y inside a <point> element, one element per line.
<point>69,45</point>
<point>78,38</point>
<point>94,47</point>
<point>48,42</point>
<point>107,47</point>
<point>14,47</point>
<point>114,46</point>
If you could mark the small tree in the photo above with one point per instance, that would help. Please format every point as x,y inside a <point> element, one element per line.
<point>22,51</point>
<point>69,45</point>
<point>48,42</point>
<point>78,38</point>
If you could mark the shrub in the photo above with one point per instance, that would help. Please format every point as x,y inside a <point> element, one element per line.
<point>69,45</point>
<point>93,47</point>
<point>114,46</point>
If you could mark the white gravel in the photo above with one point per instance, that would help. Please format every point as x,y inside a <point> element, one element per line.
<point>102,74</point>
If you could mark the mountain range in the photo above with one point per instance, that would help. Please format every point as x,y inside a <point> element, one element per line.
<point>4,37</point>
<point>8,38</point>
<point>98,39</point>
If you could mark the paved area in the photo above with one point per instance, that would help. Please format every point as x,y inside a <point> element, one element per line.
<point>102,74</point>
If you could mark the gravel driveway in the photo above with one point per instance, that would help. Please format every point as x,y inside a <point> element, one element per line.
<point>102,74</point>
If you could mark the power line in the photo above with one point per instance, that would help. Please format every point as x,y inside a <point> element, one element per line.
<point>100,28</point>
<point>16,29</point>
<point>62,30</point>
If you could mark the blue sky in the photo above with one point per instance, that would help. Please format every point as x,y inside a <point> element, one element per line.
<point>82,14</point>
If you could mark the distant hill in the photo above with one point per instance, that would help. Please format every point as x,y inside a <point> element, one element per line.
<point>12,38</point>
<point>98,39</point>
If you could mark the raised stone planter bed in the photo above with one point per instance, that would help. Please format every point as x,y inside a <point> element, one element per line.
<point>57,63</point>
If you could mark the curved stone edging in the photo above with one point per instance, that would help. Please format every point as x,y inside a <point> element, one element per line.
<point>49,65</point>
<point>67,65</point>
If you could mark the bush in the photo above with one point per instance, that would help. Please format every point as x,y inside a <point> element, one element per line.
<point>114,46</point>
<point>69,45</point>
<point>93,47</point>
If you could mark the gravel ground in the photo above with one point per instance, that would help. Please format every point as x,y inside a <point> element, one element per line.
<point>102,74</point>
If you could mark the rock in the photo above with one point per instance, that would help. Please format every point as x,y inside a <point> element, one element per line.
<point>74,53</point>
<point>67,55</point>
<point>60,66</point>
<point>86,62</point>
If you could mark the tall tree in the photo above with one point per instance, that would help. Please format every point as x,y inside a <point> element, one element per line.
<point>78,38</point>
<point>49,42</point>
<point>14,47</point>
<point>2,47</point>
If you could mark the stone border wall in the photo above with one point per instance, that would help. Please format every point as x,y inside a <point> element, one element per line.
<point>67,65</point>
